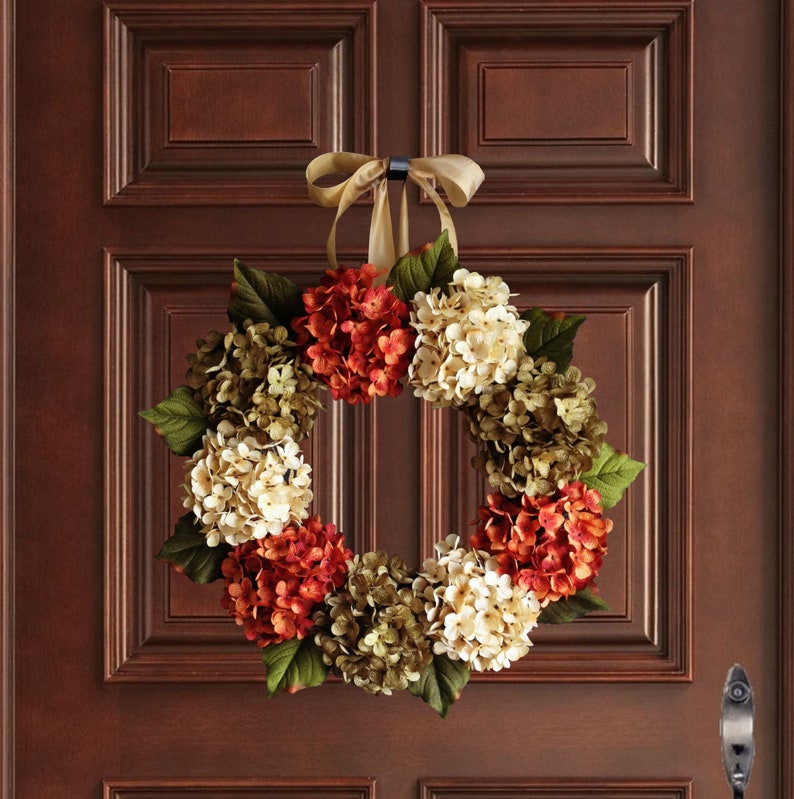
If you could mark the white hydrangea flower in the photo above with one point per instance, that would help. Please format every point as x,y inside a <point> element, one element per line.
<point>240,489</point>
<point>466,340</point>
<point>474,613</point>
<point>281,380</point>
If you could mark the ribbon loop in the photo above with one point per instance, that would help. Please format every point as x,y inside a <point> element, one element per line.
<point>459,176</point>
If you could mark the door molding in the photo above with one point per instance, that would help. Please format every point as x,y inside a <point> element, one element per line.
<point>7,228</point>
<point>786,421</point>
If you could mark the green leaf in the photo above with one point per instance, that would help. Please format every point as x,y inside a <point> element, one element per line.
<point>611,474</point>
<point>188,552</point>
<point>441,683</point>
<point>565,610</point>
<point>293,665</point>
<point>179,420</point>
<point>424,269</point>
<point>551,335</point>
<point>263,297</point>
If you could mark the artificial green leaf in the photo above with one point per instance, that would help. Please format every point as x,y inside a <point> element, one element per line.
<point>424,269</point>
<point>565,610</point>
<point>293,665</point>
<point>552,335</point>
<point>188,552</point>
<point>611,474</point>
<point>441,683</point>
<point>179,420</point>
<point>263,297</point>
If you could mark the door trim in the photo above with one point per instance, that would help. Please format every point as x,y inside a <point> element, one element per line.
<point>7,229</point>
<point>786,420</point>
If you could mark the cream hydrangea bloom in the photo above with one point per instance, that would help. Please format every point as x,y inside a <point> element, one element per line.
<point>240,489</point>
<point>475,614</point>
<point>466,340</point>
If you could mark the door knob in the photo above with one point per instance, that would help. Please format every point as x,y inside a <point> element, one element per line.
<point>736,729</point>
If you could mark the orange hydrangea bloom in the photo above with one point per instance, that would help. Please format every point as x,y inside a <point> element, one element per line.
<point>550,545</point>
<point>273,585</point>
<point>355,335</point>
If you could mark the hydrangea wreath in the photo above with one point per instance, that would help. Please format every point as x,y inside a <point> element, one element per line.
<point>290,581</point>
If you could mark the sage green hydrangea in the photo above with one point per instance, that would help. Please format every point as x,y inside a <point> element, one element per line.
<point>372,634</point>
<point>254,378</point>
<point>538,431</point>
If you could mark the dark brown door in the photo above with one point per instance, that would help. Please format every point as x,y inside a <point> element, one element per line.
<point>632,174</point>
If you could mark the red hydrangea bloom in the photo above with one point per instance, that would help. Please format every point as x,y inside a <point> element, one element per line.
<point>274,584</point>
<point>355,335</point>
<point>551,545</point>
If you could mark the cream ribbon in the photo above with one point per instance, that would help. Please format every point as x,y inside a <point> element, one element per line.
<point>459,176</point>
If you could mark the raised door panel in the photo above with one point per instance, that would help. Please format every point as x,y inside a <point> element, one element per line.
<point>583,103</point>
<point>225,103</point>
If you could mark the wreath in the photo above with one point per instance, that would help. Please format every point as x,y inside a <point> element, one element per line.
<point>312,605</point>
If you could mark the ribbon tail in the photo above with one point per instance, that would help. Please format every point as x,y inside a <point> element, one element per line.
<point>352,189</point>
<point>381,242</point>
<point>330,246</point>
<point>403,240</point>
<point>443,212</point>
<point>365,173</point>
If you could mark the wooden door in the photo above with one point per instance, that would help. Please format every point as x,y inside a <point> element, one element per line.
<point>632,174</point>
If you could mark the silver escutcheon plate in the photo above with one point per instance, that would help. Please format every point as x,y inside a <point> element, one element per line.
<point>736,729</point>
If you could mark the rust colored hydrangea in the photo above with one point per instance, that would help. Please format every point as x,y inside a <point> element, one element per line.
<point>355,336</point>
<point>551,545</point>
<point>274,585</point>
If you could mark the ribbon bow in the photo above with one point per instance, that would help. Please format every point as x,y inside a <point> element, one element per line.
<point>458,175</point>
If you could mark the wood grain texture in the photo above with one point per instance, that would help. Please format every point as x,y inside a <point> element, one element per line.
<point>7,447</point>
<point>225,102</point>
<point>555,789</point>
<point>563,102</point>
<point>639,304</point>
<point>581,102</point>
<point>170,630</point>
<point>637,733</point>
<point>330,788</point>
<point>786,332</point>
<point>159,626</point>
<point>235,105</point>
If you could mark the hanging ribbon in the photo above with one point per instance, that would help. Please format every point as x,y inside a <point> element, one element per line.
<point>459,176</point>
